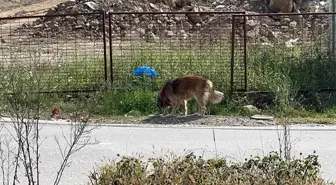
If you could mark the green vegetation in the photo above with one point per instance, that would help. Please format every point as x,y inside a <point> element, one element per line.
<point>278,69</point>
<point>170,61</point>
<point>282,72</point>
<point>80,74</point>
<point>190,169</point>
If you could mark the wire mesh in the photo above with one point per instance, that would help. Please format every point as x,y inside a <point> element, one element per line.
<point>288,48</point>
<point>174,44</point>
<point>63,52</point>
<point>238,63</point>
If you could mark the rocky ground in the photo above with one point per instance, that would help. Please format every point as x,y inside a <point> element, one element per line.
<point>180,26</point>
<point>191,120</point>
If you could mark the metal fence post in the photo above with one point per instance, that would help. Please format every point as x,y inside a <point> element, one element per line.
<point>245,55</point>
<point>110,47</point>
<point>332,30</point>
<point>232,52</point>
<point>104,42</point>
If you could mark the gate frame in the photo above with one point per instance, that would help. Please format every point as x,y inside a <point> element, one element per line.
<point>232,14</point>
<point>233,36</point>
<point>102,13</point>
<point>246,15</point>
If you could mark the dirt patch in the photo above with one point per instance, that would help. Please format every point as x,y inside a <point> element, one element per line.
<point>23,8</point>
<point>26,7</point>
<point>9,5</point>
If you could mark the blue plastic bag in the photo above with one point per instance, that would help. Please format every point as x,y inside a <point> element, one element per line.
<point>145,70</point>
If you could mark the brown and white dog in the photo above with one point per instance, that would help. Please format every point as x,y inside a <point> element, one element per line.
<point>180,90</point>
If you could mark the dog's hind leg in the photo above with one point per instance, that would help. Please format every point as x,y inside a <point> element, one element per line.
<point>202,102</point>
<point>202,109</point>
<point>200,106</point>
<point>174,108</point>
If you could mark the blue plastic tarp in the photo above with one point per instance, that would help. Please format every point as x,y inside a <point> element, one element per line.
<point>145,70</point>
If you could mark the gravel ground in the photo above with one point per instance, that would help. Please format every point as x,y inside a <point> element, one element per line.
<point>208,120</point>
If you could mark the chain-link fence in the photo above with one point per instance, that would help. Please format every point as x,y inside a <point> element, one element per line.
<point>288,49</point>
<point>64,55</point>
<point>174,44</point>
<point>237,51</point>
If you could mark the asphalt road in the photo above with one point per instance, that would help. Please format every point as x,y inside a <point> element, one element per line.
<point>236,143</point>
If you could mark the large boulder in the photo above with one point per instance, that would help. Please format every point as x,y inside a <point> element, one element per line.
<point>182,3</point>
<point>173,3</point>
<point>285,6</point>
<point>170,3</point>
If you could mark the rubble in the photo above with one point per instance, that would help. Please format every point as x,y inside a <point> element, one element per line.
<point>151,27</point>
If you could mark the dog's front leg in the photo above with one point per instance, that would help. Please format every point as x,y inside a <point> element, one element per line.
<point>185,103</point>
<point>199,109</point>
<point>204,109</point>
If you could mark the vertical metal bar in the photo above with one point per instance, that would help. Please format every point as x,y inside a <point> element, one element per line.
<point>232,51</point>
<point>110,43</point>
<point>245,56</point>
<point>104,41</point>
<point>332,30</point>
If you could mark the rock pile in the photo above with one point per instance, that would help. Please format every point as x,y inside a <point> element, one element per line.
<point>182,26</point>
<point>58,26</point>
<point>147,26</point>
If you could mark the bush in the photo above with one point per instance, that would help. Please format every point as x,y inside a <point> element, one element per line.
<point>190,169</point>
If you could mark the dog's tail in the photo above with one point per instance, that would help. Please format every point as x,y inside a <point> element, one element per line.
<point>215,96</point>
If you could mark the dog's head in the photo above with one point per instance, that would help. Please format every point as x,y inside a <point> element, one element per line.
<point>163,102</point>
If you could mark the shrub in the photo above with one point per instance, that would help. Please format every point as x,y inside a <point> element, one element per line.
<point>191,169</point>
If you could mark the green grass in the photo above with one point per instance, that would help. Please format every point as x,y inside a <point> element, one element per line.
<point>61,76</point>
<point>277,69</point>
<point>172,61</point>
<point>300,68</point>
<point>144,102</point>
<point>280,70</point>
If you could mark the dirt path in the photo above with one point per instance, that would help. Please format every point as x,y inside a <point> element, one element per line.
<point>35,7</point>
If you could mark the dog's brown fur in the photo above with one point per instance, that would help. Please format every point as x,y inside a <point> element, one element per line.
<point>180,90</point>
